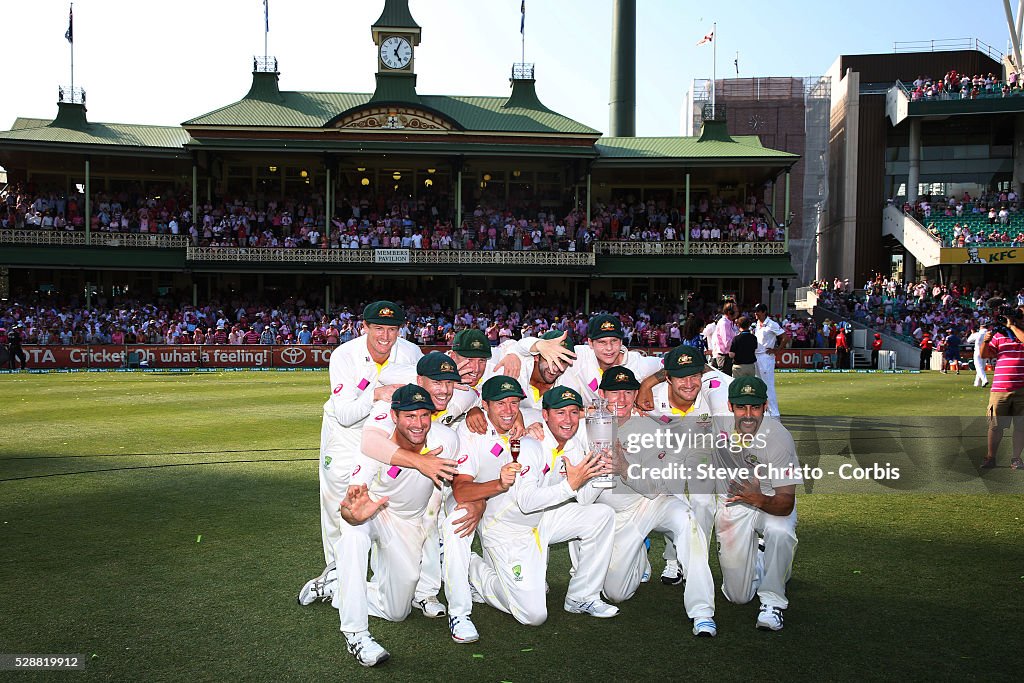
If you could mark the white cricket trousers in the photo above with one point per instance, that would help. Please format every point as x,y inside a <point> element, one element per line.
<point>671,516</point>
<point>455,553</point>
<point>980,379</point>
<point>397,547</point>
<point>336,462</point>
<point>429,584</point>
<point>737,528</point>
<point>513,577</point>
<point>765,363</point>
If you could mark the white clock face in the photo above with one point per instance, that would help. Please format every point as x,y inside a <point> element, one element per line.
<point>395,52</point>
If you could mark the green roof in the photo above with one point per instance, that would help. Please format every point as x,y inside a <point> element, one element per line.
<point>396,14</point>
<point>120,134</point>
<point>741,147</point>
<point>316,109</point>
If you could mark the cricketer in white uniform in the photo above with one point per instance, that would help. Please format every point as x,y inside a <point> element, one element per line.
<point>763,502</point>
<point>437,374</point>
<point>523,518</point>
<point>644,504</point>
<point>395,532</point>
<point>769,338</point>
<point>691,395</point>
<point>355,369</point>
<point>603,350</point>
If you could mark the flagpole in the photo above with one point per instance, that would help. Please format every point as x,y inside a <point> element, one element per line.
<point>71,26</point>
<point>266,28</point>
<point>522,31</point>
<point>714,63</point>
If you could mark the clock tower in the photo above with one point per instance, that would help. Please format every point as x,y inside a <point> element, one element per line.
<point>396,35</point>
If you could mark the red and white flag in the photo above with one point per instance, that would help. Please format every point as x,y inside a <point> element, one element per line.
<point>707,39</point>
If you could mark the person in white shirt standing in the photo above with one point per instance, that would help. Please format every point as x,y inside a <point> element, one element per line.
<point>770,337</point>
<point>384,507</point>
<point>980,379</point>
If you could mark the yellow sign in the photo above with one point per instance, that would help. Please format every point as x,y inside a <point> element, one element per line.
<point>982,255</point>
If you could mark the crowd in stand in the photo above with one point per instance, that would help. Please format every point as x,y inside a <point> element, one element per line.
<point>365,220</point>
<point>989,218</point>
<point>955,85</point>
<point>42,319</point>
<point>917,311</point>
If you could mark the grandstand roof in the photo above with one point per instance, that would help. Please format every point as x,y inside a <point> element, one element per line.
<point>317,109</point>
<point>107,134</point>
<point>739,147</point>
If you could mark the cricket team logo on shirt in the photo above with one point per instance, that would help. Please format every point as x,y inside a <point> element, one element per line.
<point>327,462</point>
<point>517,571</point>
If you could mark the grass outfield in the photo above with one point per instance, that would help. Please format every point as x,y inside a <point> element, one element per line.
<point>108,480</point>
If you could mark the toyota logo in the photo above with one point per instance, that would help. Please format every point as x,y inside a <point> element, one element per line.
<point>293,355</point>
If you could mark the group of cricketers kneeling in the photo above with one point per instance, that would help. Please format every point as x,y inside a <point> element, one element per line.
<point>517,472</point>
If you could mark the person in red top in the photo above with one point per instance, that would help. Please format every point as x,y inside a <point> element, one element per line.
<point>251,336</point>
<point>842,349</point>
<point>876,346</point>
<point>220,336</point>
<point>1006,400</point>
<point>926,351</point>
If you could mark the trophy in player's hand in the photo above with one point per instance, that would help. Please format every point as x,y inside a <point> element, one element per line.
<point>601,429</point>
<point>513,447</point>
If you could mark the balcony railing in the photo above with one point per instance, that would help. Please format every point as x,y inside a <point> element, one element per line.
<point>695,248</point>
<point>392,256</point>
<point>97,239</point>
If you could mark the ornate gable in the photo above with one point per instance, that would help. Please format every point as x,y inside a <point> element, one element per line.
<point>394,118</point>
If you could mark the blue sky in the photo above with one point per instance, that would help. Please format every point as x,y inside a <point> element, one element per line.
<point>163,63</point>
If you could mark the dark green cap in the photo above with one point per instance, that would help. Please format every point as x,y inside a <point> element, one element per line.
<point>619,378</point>
<point>499,387</point>
<point>560,397</point>
<point>683,361</point>
<point>439,366</point>
<point>471,343</point>
<point>555,334</point>
<point>384,313</point>
<point>748,391</point>
<point>604,325</point>
<point>411,397</point>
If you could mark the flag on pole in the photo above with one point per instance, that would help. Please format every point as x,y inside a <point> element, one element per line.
<point>707,39</point>
<point>266,16</point>
<point>69,35</point>
<point>522,18</point>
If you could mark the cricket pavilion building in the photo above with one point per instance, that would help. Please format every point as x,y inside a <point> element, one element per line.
<point>457,153</point>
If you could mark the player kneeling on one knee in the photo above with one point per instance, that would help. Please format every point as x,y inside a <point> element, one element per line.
<point>761,500</point>
<point>384,506</point>
<point>525,515</point>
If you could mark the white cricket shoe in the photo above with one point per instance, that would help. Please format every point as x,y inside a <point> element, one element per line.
<point>365,649</point>
<point>463,630</point>
<point>322,587</point>
<point>431,607</point>
<point>475,596</point>
<point>770,618</point>
<point>672,574</point>
<point>595,608</point>
<point>705,627</point>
